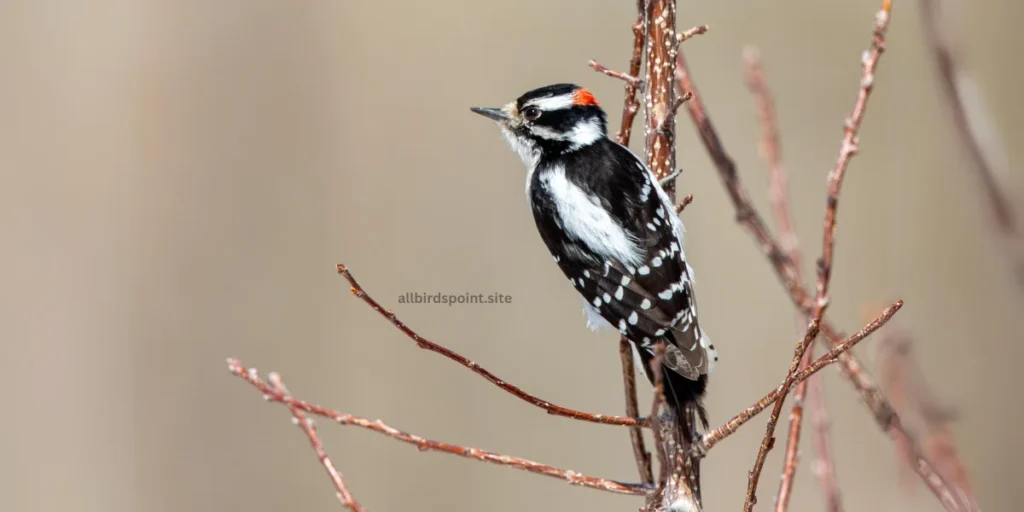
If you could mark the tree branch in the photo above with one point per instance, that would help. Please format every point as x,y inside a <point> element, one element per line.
<point>824,465</point>
<point>309,428</point>
<point>633,80</point>
<point>712,438</point>
<point>572,477</point>
<point>769,435</point>
<point>770,149</point>
<point>902,379</point>
<point>426,344</point>
<point>751,221</point>
<point>631,105</point>
<point>684,203</point>
<point>973,122</point>
<point>847,150</point>
<point>636,434</point>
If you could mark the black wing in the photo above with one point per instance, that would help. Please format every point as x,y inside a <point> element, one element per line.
<point>649,299</point>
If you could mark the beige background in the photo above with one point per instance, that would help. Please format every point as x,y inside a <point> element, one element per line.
<point>179,179</point>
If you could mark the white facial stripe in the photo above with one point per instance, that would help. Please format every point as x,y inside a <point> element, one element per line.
<point>547,133</point>
<point>586,221</point>
<point>584,134</point>
<point>552,102</point>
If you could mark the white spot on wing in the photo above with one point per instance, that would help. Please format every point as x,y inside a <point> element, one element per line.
<point>646,304</point>
<point>633,318</point>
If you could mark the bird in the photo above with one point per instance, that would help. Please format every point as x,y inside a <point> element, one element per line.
<point>615,234</point>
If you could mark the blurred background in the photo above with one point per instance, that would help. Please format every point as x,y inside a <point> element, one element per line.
<point>180,178</point>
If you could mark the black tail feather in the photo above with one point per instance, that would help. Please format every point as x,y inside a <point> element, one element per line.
<point>685,396</point>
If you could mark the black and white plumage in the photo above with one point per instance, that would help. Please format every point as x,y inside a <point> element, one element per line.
<point>613,231</point>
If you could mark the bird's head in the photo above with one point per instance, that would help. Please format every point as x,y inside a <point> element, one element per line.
<point>549,121</point>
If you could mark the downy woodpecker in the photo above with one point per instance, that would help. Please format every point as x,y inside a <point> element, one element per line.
<point>613,231</point>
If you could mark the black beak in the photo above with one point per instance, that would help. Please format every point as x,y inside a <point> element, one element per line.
<point>491,113</point>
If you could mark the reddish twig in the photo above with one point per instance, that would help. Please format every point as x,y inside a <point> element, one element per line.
<point>636,434</point>
<point>633,80</point>
<point>748,217</point>
<point>791,459</point>
<point>712,438</point>
<point>426,344</point>
<point>973,122</point>
<point>670,119</point>
<point>572,477</point>
<point>903,380</point>
<point>848,149</point>
<point>656,426</point>
<point>684,203</point>
<point>770,149</point>
<point>631,105</point>
<point>309,428</point>
<point>687,34</point>
<point>824,465</point>
<point>769,435</point>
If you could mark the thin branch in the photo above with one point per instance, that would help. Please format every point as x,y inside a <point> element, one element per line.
<point>426,344</point>
<point>572,477</point>
<point>746,215</point>
<point>309,428</point>
<point>635,81</point>
<point>848,149</point>
<point>684,203</point>
<point>888,421</point>
<point>769,435</point>
<point>630,107</point>
<point>656,427</point>
<point>636,434</point>
<point>901,377</point>
<point>824,464</point>
<point>973,121</point>
<point>770,149</point>
<point>631,104</point>
<point>687,34</point>
<point>670,120</point>
<point>712,438</point>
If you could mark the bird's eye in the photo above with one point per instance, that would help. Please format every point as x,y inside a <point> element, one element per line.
<point>531,113</point>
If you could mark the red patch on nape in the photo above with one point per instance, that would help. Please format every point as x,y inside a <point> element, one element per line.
<point>583,98</point>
